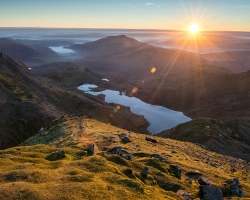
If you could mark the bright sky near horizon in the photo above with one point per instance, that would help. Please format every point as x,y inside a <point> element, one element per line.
<point>222,15</point>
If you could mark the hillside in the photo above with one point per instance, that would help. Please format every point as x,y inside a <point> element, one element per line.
<point>236,61</point>
<point>28,104</point>
<point>230,137</point>
<point>62,164</point>
<point>24,109</point>
<point>66,74</point>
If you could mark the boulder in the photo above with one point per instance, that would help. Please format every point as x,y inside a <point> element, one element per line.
<point>164,184</point>
<point>159,157</point>
<point>144,173</point>
<point>184,195</point>
<point>58,155</point>
<point>80,154</point>
<point>90,149</point>
<point>203,181</point>
<point>152,140</point>
<point>193,175</point>
<point>175,171</point>
<point>232,187</point>
<point>210,192</point>
<point>116,159</point>
<point>121,152</point>
<point>124,139</point>
<point>129,173</point>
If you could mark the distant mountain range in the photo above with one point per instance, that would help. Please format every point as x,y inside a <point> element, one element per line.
<point>182,80</point>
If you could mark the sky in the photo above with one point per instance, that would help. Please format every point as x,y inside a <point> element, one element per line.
<point>219,15</point>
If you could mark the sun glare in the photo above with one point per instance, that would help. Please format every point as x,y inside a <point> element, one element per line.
<point>194,29</point>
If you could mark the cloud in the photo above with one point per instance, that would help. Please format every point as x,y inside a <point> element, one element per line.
<point>150,4</point>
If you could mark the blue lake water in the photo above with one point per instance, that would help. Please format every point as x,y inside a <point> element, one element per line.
<point>159,118</point>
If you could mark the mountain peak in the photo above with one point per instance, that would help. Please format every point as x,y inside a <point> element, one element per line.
<point>121,40</point>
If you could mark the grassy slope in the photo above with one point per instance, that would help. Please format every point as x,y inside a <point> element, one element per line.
<point>228,137</point>
<point>26,174</point>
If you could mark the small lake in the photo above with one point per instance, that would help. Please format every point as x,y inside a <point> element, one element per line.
<point>61,50</point>
<point>158,117</point>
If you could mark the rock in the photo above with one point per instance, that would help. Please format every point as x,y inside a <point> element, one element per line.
<point>175,171</point>
<point>58,155</point>
<point>210,192</point>
<point>203,181</point>
<point>232,187</point>
<point>156,164</point>
<point>90,149</point>
<point>159,157</point>
<point>193,175</point>
<point>121,152</point>
<point>117,159</point>
<point>124,139</point>
<point>151,140</point>
<point>129,173</point>
<point>167,185</point>
<point>184,195</point>
<point>80,154</point>
<point>116,150</point>
<point>144,173</point>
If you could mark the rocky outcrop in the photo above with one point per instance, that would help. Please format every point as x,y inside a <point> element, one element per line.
<point>90,149</point>
<point>209,191</point>
<point>150,139</point>
<point>58,155</point>
<point>124,139</point>
<point>175,171</point>
<point>232,188</point>
<point>121,152</point>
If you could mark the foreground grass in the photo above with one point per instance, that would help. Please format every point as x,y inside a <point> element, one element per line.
<point>26,174</point>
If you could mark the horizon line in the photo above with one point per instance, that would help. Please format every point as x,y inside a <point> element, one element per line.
<point>95,28</point>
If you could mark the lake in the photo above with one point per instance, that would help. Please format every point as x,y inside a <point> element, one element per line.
<point>159,118</point>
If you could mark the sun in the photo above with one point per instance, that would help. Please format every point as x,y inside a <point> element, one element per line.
<point>194,29</point>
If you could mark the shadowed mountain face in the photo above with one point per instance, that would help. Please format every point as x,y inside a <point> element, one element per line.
<point>236,61</point>
<point>27,105</point>
<point>23,105</point>
<point>122,56</point>
<point>16,50</point>
<point>225,137</point>
<point>67,74</point>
